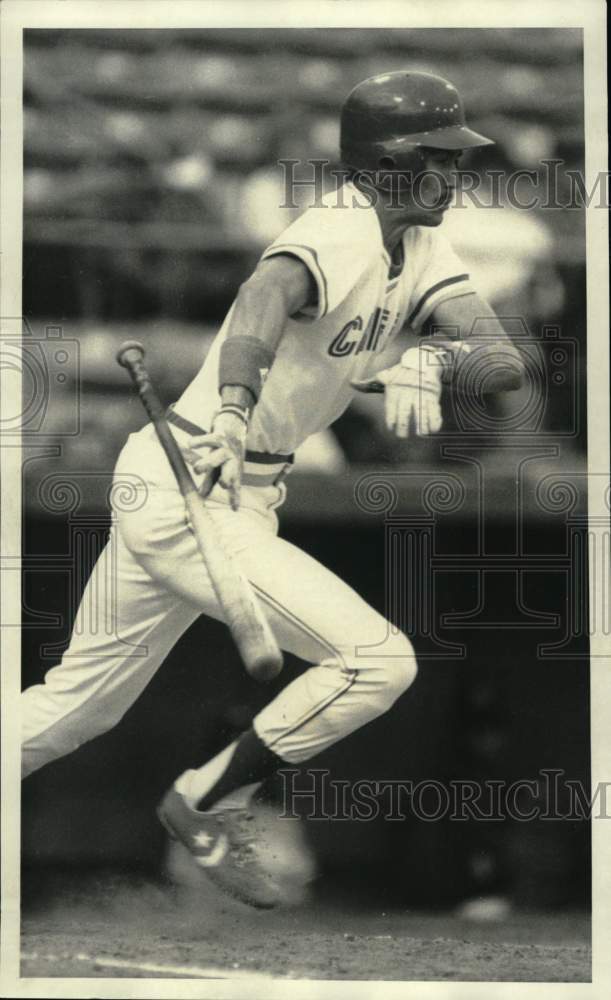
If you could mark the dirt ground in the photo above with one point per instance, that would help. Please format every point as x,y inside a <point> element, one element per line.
<point>110,927</point>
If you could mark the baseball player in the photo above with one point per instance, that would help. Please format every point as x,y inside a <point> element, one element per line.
<point>302,336</point>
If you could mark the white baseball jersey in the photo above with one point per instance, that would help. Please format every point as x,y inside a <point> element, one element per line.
<point>151,583</point>
<point>359,310</point>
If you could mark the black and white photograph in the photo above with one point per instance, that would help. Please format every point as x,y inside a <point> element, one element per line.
<point>305,497</point>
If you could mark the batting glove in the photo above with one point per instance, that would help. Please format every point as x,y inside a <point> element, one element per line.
<point>223,460</point>
<point>412,391</point>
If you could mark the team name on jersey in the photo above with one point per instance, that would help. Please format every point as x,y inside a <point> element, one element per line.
<point>354,337</point>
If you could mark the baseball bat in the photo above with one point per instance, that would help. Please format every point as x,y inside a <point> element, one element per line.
<point>247,623</point>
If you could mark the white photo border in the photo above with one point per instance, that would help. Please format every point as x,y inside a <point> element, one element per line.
<point>15,15</point>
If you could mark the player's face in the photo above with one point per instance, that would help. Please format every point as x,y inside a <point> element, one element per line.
<point>440,166</point>
<point>429,191</point>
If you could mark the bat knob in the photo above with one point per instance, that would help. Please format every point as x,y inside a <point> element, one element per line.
<point>129,352</point>
<point>266,667</point>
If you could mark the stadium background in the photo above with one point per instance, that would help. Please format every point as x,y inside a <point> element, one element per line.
<point>150,187</point>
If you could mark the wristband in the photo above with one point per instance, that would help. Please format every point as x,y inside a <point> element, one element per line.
<point>245,361</point>
<point>238,411</point>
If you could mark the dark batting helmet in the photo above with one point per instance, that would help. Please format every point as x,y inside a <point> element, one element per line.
<point>387,117</point>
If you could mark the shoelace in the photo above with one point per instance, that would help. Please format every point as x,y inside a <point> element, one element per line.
<point>243,848</point>
<point>244,829</point>
<point>241,836</point>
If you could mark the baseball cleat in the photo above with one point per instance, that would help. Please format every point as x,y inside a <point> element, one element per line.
<point>223,842</point>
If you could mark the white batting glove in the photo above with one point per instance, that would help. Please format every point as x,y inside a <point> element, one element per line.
<point>219,455</point>
<point>412,392</point>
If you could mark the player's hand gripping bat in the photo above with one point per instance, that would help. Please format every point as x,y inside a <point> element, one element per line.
<point>247,623</point>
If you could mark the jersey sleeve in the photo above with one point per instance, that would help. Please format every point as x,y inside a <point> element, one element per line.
<point>443,276</point>
<point>335,244</point>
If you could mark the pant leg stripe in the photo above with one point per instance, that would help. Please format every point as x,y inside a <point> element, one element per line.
<point>329,700</point>
<point>297,622</point>
<point>316,710</point>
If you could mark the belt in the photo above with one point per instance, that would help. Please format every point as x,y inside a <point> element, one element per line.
<point>260,468</point>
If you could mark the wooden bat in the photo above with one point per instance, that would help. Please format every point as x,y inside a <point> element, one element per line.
<point>247,623</point>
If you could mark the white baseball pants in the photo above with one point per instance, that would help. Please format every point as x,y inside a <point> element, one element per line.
<point>150,584</point>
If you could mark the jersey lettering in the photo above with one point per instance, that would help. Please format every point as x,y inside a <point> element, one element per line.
<point>345,344</point>
<point>378,329</point>
<point>341,346</point>
<point>365,341</point>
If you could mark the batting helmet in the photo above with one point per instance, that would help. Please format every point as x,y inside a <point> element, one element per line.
<point>387,116</point>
